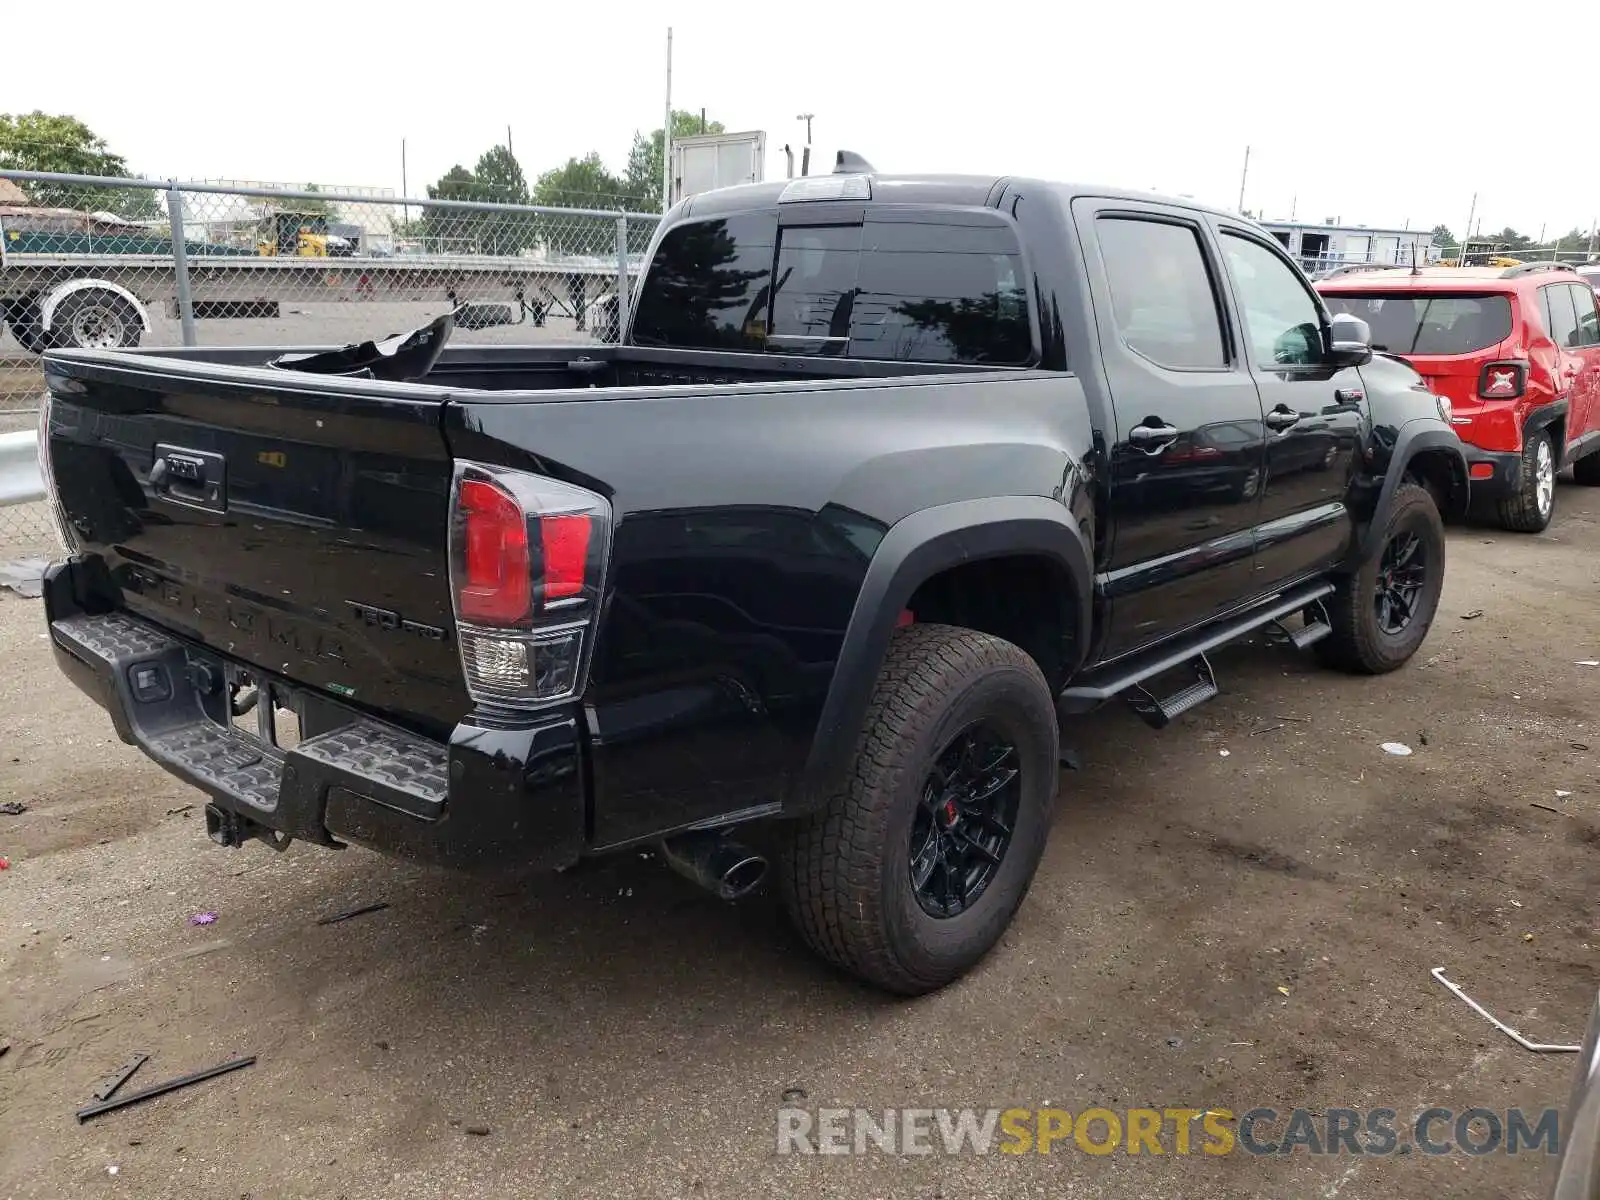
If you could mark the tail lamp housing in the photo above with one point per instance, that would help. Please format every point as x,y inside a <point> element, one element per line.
<point>1506,380</point>
<point>527,572</point>
<point>59,523</point>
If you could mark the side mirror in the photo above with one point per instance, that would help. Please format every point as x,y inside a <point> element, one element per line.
<point>1350,341</point>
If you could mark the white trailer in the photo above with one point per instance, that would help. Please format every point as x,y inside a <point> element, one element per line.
<point>709,161</point>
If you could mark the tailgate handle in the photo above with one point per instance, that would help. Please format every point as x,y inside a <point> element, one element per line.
<point>195,478</point>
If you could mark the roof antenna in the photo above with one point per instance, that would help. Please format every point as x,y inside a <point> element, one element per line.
<point>849,162</point>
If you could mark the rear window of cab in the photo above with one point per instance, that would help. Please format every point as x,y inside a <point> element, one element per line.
<point>1425,323</point>
<point>923,290</point>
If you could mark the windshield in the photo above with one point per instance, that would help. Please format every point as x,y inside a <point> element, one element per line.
<point>1429,324</point>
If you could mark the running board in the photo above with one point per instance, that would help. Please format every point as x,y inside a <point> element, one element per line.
<point>1096,687</point>
<point>1159,712</point>
<point>1318,626</point>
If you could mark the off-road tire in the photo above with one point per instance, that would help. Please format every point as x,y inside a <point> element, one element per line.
<point>1358,643</point>
<point>1586,470</point>
<point>1520,512</point>
<point>844,872</point>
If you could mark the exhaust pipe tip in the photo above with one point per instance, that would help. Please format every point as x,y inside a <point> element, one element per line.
<point>720,865</point>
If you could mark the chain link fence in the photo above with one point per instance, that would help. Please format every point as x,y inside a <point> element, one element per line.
<point>111,263</point>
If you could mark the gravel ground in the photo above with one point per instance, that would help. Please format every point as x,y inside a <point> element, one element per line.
<point>1207,930</point>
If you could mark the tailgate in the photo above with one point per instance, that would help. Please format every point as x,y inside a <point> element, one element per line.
<point>1455,375</point>
<point>299,525</point>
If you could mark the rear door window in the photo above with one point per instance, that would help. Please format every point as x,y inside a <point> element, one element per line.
<point>1428,324</point>
<point>707,287</point>
<point>1162,296</point>
<point>1561,318</point>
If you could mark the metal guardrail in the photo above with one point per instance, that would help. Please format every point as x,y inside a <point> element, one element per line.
<point>20,481</point>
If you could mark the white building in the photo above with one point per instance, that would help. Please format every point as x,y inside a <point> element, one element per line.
<point>1318,247</point>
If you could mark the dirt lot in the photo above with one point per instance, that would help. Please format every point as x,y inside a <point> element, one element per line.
<point>621,1035</point>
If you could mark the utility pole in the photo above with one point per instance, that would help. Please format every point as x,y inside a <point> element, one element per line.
<point>1461,250</point>
<point>666,135</point>
<point>405,188</point>
<point>1243,175</point>
<point>806,117</point>
<point>509,150</point>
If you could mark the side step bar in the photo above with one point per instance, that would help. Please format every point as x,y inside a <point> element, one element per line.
<point>1159,712</point>
<point>1095,688</point>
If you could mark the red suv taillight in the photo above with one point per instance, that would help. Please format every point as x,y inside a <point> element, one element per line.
<point>527,561</point>
<point>1505,380</point>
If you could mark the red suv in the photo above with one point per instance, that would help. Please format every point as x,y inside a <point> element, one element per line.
<point>1516,351</point>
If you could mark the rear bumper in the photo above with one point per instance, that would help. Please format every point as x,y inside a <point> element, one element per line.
<point>1504,475</point>
<point>494,795</point>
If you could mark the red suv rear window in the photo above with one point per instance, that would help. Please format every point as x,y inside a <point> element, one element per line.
<point>1429,324</point>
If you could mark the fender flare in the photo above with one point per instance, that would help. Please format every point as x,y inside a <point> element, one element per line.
<point>53,296</point>
<point>1542,416</point>
<point>1414,438</point>
<point>914,549</point>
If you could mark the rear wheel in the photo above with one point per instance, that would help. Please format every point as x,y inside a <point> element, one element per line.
<point>1586,470</point>
<point>1381,613</point>
<point>1530,509</point>
<point>910,872</point>
<point>95,319</point>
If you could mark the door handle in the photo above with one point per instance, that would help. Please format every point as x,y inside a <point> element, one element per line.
<point>1153,438</point>
<point>1282,418</point>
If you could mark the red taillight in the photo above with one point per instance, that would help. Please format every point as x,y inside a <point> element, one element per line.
<point>565,541</point>
<point>1503,380</point>
<point>527,560</point>
<point>496,587</point>
<point>1482,470</point>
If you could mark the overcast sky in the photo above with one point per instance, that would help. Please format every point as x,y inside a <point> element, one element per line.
<point>1387,113</point>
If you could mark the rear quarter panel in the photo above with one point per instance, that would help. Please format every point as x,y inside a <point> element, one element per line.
<point>746,517</point>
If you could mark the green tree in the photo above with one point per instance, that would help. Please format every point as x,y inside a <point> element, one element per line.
<point>642,179</point>
<point>40,141</point>
<point>580,183</point>
<point>497,179</point>
<point>1443,237</point>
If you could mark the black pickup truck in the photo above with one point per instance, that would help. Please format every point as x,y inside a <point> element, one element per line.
<point>885,478</point>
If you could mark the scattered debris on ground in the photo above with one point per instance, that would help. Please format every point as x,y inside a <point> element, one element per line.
<point>160,1089</point>
<point>24,576</point>
<point>1536,1047</point>
<point>353,912</point>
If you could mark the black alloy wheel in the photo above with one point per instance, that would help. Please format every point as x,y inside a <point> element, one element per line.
<point>962,827</point>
